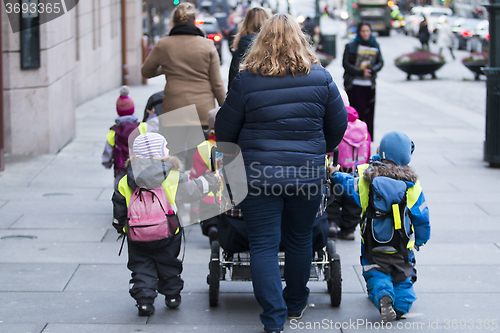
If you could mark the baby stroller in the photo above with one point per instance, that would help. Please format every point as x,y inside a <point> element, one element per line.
<point>155,102</point>
<point>230,259</point>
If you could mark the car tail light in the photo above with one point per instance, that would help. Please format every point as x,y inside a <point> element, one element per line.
<point>467,33</point>
<point>487,36</point>
<point>199,22</point>
<point>215,37</point>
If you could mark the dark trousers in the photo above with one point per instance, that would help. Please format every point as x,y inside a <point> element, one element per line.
<point>362,98</point>
<point>270,220</point>
<point>155,268</point>
<point>344,212</point>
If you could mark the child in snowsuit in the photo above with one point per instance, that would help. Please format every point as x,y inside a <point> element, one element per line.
<point>116,150</point>
<point>395,219</point>
<point>153,261</point>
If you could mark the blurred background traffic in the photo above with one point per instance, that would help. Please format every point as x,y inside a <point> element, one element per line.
<point>220,18</point>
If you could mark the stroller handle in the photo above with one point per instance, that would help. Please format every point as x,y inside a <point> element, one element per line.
<point>336,156</point>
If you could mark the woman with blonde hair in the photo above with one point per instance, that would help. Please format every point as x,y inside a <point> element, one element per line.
<point>285,113</point>
<point>253,22</point>
<point>190,64</point>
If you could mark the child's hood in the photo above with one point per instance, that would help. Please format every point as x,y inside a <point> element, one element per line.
<point>404,173</point>
<point>150,173</point>
<point>125,119</point>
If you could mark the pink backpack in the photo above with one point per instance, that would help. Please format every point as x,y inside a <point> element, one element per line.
<point>355,146</point>
<point>151,216</point>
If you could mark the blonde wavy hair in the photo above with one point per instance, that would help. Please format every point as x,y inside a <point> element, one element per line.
<point>184,13</point>
<point>280,48</point>
<point>254,20</point>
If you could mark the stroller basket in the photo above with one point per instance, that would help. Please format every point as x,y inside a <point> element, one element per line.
<point>229,264</point>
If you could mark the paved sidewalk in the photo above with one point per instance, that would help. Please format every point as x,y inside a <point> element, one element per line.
<point>60,271</point>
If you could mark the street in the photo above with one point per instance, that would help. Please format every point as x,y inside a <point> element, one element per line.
<point>60,269</point>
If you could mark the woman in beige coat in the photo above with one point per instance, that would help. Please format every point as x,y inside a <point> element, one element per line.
<point>190,64</point>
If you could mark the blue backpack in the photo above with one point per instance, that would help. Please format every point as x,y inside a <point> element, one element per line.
<point>387,226</point>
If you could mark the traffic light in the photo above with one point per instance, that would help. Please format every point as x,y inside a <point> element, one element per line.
<point>176,2</point>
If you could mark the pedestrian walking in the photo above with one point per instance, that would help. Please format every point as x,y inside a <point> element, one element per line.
<point>395,219</point>
<point>362,60</point>
<point>309,27</point>
<point>116,149</point>
<point>190,64</point>
<point>285,112</point>
<point>445,36</point>
<point>254,19</point>
<point>424,34</point>
<point>144,209</point>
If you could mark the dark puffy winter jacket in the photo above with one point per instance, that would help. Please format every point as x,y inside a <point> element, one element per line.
<point>238,56</point>
<point>351,71</point>
<point>283,125</point>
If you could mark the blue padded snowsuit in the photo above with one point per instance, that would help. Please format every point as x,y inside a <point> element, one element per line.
<point>388,273</point>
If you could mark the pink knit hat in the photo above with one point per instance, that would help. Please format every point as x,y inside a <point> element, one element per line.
<point>124,104</point>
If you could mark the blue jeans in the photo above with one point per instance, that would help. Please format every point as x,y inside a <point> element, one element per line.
<point>270,220</point>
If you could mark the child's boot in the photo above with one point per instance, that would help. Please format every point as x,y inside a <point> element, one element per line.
<point>145,309</point>
<point>400,315</point>
<point>173,301</point>
<point>386,309</point>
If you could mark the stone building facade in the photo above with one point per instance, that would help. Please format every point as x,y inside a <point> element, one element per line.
<point>81,57</point>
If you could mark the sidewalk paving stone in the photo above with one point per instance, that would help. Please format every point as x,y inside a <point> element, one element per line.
<point>71,279</point>
<point>35,277</point>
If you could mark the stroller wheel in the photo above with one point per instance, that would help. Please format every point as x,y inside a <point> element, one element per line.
<point>334,281</point>
<point>214,274</point>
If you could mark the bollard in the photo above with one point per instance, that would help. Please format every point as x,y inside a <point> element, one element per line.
<point>492,135</point>
<point>329,43</point>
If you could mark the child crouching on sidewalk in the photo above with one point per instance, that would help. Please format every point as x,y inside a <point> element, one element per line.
<point>395,219</point>
<point>144,208</point>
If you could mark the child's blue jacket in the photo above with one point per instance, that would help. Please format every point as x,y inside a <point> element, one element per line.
<point>419,212</point>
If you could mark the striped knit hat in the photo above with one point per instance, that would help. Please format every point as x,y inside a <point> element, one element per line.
<point>124,104</point>
<point>150,145</point>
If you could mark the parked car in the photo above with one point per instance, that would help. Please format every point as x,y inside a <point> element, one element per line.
<point>463,30</point>
<point>218,9</point>
<point>479,42</point>
<point>210,27</point>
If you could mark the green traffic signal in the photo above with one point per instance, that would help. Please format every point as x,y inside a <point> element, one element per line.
<point>176,2</point>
